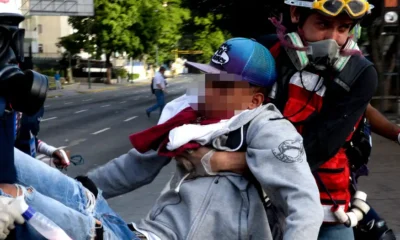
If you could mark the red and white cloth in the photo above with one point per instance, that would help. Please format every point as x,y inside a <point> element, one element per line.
<point>157,137</point>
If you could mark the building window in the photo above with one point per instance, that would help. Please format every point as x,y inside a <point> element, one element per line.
<point>40,48</point>
<point>40,28</point>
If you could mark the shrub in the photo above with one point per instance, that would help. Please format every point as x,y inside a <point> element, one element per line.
<point>133,76</point>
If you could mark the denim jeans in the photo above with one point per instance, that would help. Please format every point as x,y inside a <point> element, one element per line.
<point>160,101</point>
<point>63,200</point>
<point>335,232</point>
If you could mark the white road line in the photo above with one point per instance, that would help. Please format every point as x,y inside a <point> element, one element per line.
<point>123,102</point>
<point>85,100</point>
<point>76,142</point>
<point>129,119</point>
<point>81,111</point>
<point>105,105</point>
<point>62,147</point>
<point>68,103</point>
<point>102,130</point>
<point>135,99</point>
<point>46,106</point>
<point>48,119</point>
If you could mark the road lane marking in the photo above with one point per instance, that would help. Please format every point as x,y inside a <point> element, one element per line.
<point>81,111</point>
<point>102,130</point>
<point>46,106</point>
<point>76,142</point>
<point>123,102</point>
<point>85,100</point>
<point>129,119</point>
<point>48,119</point>
<point>68,103</point>
<point>137,98</point>
<point>105,105</point>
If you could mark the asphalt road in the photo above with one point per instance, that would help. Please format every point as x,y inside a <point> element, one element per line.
<point>97,127</point>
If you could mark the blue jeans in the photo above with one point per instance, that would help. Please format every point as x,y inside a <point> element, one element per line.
<point>63,200</point>
<point>160,101</point>
<point>335,232</point>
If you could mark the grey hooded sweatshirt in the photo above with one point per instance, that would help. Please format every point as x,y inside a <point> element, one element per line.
<point>227,206</point>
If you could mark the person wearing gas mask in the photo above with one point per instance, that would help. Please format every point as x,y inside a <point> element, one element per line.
<point>20,91</point>
<point>27,130</point>
<point>324,88</point>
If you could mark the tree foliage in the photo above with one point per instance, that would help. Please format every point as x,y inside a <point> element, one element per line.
<point>140,27</point>
<point>131,26</point>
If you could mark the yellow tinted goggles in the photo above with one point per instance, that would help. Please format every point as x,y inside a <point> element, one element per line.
<point>355,8</point>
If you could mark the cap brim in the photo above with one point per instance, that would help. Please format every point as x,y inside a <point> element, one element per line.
<point>206,68</point>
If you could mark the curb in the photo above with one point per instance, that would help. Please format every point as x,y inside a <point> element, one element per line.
<point>54,96</point>
<point>97,90</point>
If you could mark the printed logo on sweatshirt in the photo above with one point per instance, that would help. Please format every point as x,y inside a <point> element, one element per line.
<point>289,151</point>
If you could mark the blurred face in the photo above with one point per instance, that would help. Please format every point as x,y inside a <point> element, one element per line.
<point>319,27</point>
<point>224,97</point>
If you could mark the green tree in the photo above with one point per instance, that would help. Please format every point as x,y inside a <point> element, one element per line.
<point>131,26</point>
<point>161,28</point>
<point>208,37</point>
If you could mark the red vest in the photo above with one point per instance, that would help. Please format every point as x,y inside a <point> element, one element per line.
<point>305,96</point>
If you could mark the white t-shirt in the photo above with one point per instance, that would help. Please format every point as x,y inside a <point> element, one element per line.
<point>158,79</point>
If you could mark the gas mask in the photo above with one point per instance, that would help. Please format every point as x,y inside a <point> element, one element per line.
<point>25,91</point>
<point>322,55</point>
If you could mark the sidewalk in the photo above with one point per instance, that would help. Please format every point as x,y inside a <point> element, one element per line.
<point>83,88</point>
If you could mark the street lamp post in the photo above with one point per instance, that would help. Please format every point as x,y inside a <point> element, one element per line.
<point>89,81</point>
<point>157,55</point>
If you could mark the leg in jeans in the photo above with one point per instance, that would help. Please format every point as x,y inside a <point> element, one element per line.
<point>74,223</point>
<point>64,200</point>
<point>335,232</point>
<point>160,101</point>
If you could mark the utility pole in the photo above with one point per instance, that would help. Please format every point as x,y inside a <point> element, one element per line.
<point>157,55</point>
<point>89,74</point>
<point>69,72</point>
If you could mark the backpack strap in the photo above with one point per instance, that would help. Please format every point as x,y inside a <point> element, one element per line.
<point>350,73</point>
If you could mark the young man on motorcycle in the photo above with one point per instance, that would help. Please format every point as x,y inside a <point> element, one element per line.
<point>324,87</point>
<point>274,150</point>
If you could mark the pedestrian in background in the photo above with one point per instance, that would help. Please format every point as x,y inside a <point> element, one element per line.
<point>159,85</point>
<point>57,78</point>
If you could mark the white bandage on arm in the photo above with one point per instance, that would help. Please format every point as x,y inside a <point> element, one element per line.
<point>205,161</point>
<point>46,149</point>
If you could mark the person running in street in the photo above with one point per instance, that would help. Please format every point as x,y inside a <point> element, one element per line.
<point>159,86</point>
